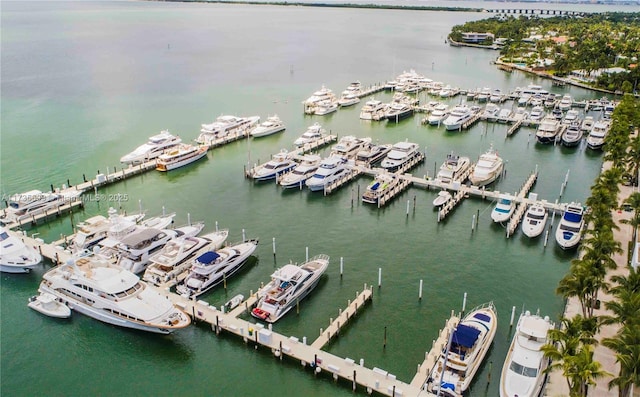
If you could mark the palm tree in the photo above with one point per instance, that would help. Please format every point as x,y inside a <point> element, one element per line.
<point>581,371</point>
<point>626,345</point>
<point>633,201</point>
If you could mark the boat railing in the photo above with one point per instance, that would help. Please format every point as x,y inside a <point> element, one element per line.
<point>320,257</point>
<point>486,305</point>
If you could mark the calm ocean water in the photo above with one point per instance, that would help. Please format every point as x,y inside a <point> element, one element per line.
<point>85,82</point>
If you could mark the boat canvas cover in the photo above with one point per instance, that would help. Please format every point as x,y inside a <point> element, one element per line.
<point>208,258</point>
<point>465,335</point>
<point>573,217</point>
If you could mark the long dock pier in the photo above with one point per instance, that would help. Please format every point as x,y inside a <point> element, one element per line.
<point>521,206</point>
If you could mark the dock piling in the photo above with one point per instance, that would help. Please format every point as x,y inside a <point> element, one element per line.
<point>464,302</point>
<point>341,265</point>
<point>420,291</point>
<point>274,248</point>
<point>379,277</point>
<point>513,315</point>
<point>306,250</point>
<point>243,236</point>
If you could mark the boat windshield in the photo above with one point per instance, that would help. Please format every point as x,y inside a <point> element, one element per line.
<point>522,370</point>
<point>536,216</point>
<point>570,228</point>
<point>4,236</point>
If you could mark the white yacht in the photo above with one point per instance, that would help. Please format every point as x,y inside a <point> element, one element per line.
<point>381,185</point>
<point>442,198</point>
<point>488,168</point>
<point>398,111</point>
<point>373,110</point>
<point>565,103</point>
<point>587,124</point>
<point>505,115</point>
<point>303,171</point>
<point>279,164</point>
<point>490,112</point>
<point>572,136</point>
<point>270,126</point>
<point>439,113</point>
<point>571,117</point>
<point>312,134</point>
<point>537,113</point>
<point>213,267</point>
<point>484,94</point>
<point>155,146</point>
<point>180,156</point>
<point>496,95</point>
<point>325,107</point>
<point>460,359</point>
<point>459,115</point>
<point>288,286</point>
<point>329,170</point>
<point>548,130</point>
<point>176,256</point>
<point>534,221</point>
<point>92,286</point>
<point>569,231</point>
<point>504,209</point>
<point>16,256</point>
<point>598,134</point>
<point>372,153</point>
<point>348,99</point>
<point>400,153</point>
<point>225,125</point>
<point>24,205</point>
<point>348,146</point>
<point>523,372</point>
<point>323,94</point>
<point>453,169</point>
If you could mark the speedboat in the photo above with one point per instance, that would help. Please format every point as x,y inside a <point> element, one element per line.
<point>225,125</point>
<point>537,113</point>
<point>565,103</point>
<point>453,169</point>
<point>312,134</point>
<point>439,113</point>
<point>458,116</point>
<point>398,111</point>
<point>328,171</point>
<point>460,359</point>
<point>569,230</point>
<point>134,251</point>
<point>279,164</point>
<point>488,168</point>
<point>400,154</point>
<point>503,209</point>
<point>180,156</point>
<point>534,220</point>
<point>49,305</point>
<point>288,286</point>
<point>548,130</point>
<point>442,198</point>
<point>373,110</point>
<point>372,153</point>
<point>587,124</point>
<point>16,256</point>
<point>523,372</point>
<point>382,184</point>
<point>323,94</point>
<point>155,146</point>
<point>176,256</point>
<point>303,171</point>
<point>213,267</point>
<point>572,136</point>
<point>325,107</point>
<point>92,286</point>
<point>598,134</point>
<point>490,112</point>
<point>349,146</point>
<point>270,126</point>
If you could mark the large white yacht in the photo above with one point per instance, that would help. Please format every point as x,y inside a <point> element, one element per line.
<point>279,164</point>
<point>325,107</point>
<point>372,153</point>
<point>303,171</point>
<point>323,94</point>
<point>225,125</point>
<point>24,205</point>
<point>383,183</point>
<point>548,130</point>
<point>373,109</point>
<point>565,103</point>
<point>453,169</point>
<point>598,134</point>
<point>488,168</point>
<point>348,146</point>
<point>351,95</point>
<point>400,153</point>
<point>288,286</point>
<point>330,169</point>
<point>213,267</point>
<point>459,115</point>
<point>534,220</point>
<point>16,256</point>
<point>95,229</point>
<point>174,258</point>
<point>313,133</point>
<point>154,147</point>
<point>397,111</point>
<point>460,359</point>
<point>270,126</point>
<point>180,156</point>
<point>438,114</point>
<point>523,370</point>
<point>92,286</point>
<point>569,231</point>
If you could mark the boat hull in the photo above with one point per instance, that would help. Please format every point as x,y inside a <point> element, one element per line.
<point>182,163</point>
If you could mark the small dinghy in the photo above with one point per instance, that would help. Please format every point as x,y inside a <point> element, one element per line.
<point>48,305</point>
<point>233,302</point>
<point>442,199</point>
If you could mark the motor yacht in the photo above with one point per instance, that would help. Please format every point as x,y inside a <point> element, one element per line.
<point>155,146</point>
<point>213,267</point>
<point>25,205</point>
<point>569,231</point>
<point>505,115</point>
<point>534,221</point>
<point>371,153</point>
<point>523,371</point>
<point>382,184</point>
<point>328,171</point>
<point>180,156</point>
<point>349,99</point>
<point>288,286</point>
<point>16,256</point>
<point>400,154</point>
<point>484,95</point>
<point>587,124</point>
<point>598,134</point>
<point>225,125</point>
<point>537,113</point>
<point>460,359</point>
<point>280,163</point>
<point>398,111</point>
<point>96,228</point>
<point>313,133</point>
<point>572,136</point>
<point>565,103</point>
<point>373,110</point>
<point>348,146</point>
<point>323,94</point>
<point>504,209</point>
<point>490,112</point>
<point>176,256</point>
<point>92,286</point>
<point>270,126</point>
<point>459,115</point>
<point>488,168</point>
<point>303,171</point>
<point>325,107</point>
<point>437,115</point>
<point>454,169</point>
<point>442,198</point>
<point>571,117</point>
<point>496,96</point>
<point>548,130</point>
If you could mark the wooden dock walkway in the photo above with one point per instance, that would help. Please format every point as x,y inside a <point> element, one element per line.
<point>374,89</point>
<point>431,357</point>
<point>48,251</point>
<point>66,207</point>
<point>402,185</point>
<point>521,207</point>
<point>515,127</point>
<point>325,140</point>
<point>354,172</point>
<point>450,205</point>
<point>471,121</point>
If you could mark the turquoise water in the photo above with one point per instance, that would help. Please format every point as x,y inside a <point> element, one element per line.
<point>85,83</point>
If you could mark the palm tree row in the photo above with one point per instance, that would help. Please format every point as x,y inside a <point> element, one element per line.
<point>571,347</point>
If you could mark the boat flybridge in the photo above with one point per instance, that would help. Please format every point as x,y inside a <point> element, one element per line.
<point>225,125</point>
<point>569,231</point>
<point>155,146</point>
<point>16,256</point>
